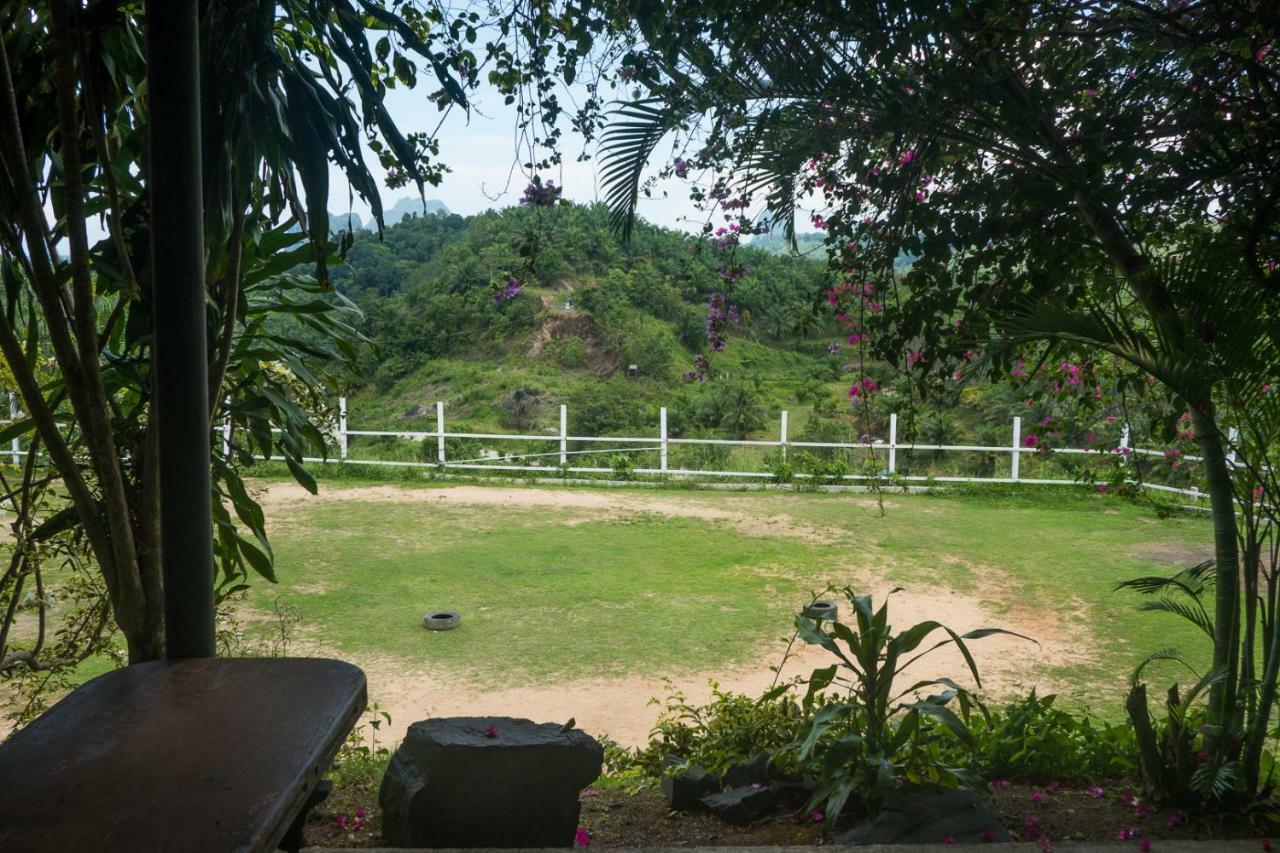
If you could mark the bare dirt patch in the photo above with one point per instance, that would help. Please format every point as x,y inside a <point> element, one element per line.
<point>1174,555</point>
<point>596,506</point>
<point>621,707</point>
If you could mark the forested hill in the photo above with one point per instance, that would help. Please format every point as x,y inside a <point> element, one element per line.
<point>589,306</point>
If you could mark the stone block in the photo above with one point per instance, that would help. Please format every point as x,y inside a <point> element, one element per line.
<point>684,789</point>
<point>487,782</point>
<point>744,805</point>
<point>928,817</point>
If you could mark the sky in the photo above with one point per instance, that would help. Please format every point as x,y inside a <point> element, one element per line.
<point>480,149</point>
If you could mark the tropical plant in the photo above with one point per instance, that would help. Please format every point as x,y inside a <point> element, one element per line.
<point>870,733</point>
<point>1065,179</point>
<point>288,89</point>
<point>1172,755</point>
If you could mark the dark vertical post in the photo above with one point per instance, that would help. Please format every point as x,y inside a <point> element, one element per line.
<point>181,373</point>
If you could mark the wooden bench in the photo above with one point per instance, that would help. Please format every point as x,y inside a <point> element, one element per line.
<point>193,755</point>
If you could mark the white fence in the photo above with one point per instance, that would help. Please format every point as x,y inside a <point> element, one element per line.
<point>563,458</point>
<point>663,442</point>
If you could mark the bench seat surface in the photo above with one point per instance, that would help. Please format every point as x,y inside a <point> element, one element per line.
<point>201,754</point>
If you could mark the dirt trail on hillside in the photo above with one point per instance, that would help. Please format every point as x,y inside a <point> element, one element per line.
<point>620,706</point>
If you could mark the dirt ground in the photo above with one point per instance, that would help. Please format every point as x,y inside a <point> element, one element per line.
<point>621,707</point>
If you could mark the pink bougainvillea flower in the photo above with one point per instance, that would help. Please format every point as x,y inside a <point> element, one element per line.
<point>948,839</point>
<point>491,731</point>
<point>817,816</point>
<point>340,822</point>
<point>1144,845</point>
<point>1097,792</point>
<point>907,157</point>
<point>921,195</point>
<point>914,357</point>
<point>358,823</point>
<point>1030,440</point>
<point>1033,827</point>
<point>1000,784</point>
<point>988,835</point>
<point>1037,796</point>
<point>1127,797</point>
<point>1046,846</point>
<point>582,838</point>
<point>1128,833</point>
<point>1141,810</point>
<point>1103,488</point>
<point>1176,818</point>
<point>360,813</point>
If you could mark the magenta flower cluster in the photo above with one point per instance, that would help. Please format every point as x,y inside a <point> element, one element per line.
<point>510,291</point>
<point>538,194</point>
<point>720,314</point>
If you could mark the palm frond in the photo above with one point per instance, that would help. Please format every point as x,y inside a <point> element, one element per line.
<point>1167,654</point>
<point>625,148</point>
<point>1192,581</point>
<point>1216,781</point>
<point>1193,613</point>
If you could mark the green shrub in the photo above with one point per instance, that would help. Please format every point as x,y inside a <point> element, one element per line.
<point>732,727</point>
<point>569,352</point>
<point>1030,739</point>
<point>610,407</point>
<point>622,467</point>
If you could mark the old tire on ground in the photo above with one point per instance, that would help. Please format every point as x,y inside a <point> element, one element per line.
<point>822,609</point>
<point>441,620</point>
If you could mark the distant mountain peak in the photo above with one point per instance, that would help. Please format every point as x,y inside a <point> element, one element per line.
<point>412,206</point>
<point>407,206</point>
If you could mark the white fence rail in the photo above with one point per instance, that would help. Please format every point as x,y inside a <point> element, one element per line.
<point>663,442</point>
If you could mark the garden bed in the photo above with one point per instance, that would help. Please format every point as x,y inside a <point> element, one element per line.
<point>621,817</point>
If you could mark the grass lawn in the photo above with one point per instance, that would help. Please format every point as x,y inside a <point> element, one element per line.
<point>552,592</point>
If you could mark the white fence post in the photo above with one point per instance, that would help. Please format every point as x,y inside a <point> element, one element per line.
<point>1017,448</point>
<point>1124,444</point>
<point>342,429</point>
<point>564,435</point>
<point>15,449</point>
<point>893,442</point>
<point>783,435</point>
<point>440,431</point>
<point>662,431</point>
<point>1233,435</point>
